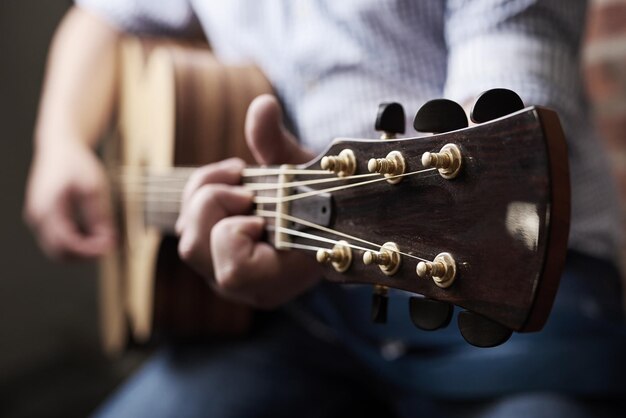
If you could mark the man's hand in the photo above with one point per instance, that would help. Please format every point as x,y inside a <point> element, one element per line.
<point>67,202</point>
<point>222,243</point>
<point>67,199</point>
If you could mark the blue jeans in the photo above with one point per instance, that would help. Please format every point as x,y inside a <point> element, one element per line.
<point>285,369</point>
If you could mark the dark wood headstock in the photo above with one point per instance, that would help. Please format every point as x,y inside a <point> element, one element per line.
<point>504,218</point>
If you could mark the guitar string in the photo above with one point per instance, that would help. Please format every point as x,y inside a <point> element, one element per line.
<point>301,246</point>
<point>277,186</point>
<point>263,199</point>
<point>152,185</point>
<point>271,199</point>
<point>272,214</point>
<point>314,237</point>
<point>260,172</point>
<point>246,172</point>
<point>274,200</point>
<point>289,198</point>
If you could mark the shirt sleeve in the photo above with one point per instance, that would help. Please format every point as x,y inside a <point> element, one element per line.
<point>533,48</point>
<point>155,17</point>
<point>529,46</point>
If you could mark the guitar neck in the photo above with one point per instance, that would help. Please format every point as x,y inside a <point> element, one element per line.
<point>159,197</point>
<point>159,194</point>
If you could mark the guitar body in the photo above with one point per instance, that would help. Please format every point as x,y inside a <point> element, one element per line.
<point>178,106</point>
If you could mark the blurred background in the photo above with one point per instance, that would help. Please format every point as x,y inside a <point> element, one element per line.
<point>50,358</point>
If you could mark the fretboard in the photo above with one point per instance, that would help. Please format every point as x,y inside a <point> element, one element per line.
<point>161,197</point>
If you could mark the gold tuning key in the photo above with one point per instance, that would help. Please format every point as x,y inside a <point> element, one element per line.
<point>343,164</point>
<point>388,258</point>
<point>442,270</point>
<point>390,166</point>
<point>340,256</point>
<point>448,161</point>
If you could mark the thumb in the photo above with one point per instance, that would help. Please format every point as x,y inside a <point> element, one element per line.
<point>268,139</point>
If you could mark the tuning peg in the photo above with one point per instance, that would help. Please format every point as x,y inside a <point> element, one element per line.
<point>340,256</point>
<point>495,103</point>
<point>388,258</point>
<point>482,332</point>
<point>442,270</point>
<point>392,166</point>
<point>429,314</point>
<point>440,115</point>
<point>390,120</point>
<point>380,301</point>
<point>447,161</point>
<point>344,164</point>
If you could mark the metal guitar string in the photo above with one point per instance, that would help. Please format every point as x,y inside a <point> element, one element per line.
<point>261,171</point>
<point>300,246</point>
<point>277,186</point>
<point>269,199</point>
<point>273,214</point>
<point>150,183</point>
<point>247,172</point>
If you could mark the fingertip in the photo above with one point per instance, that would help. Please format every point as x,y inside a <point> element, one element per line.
<point>226,171</point>
<point>264,104</point>
<point>268,139</point>
<point>263,127</point>
<point>178,226</point>
<point>184,247</point>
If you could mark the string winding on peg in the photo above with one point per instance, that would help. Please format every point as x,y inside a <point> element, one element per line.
<point>387,259</point>
<point>391,166</point>
<point>447,161</point>
<point>442,270</point>
<point>340,256</point>
<point>343,165</point>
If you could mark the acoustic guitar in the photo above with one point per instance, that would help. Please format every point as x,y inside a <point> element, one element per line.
<point>476,217</point>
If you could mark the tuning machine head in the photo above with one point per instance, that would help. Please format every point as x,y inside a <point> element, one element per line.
<point>495,103</point>
<point>340,256</point>
<point>440,115</point>
<point>482,332</point>
<point>442,270</point>
<point>390,120</point>
<point>428,314</point>
<point>388,258</point>
<point>447,161</point>
<point>343,164</point>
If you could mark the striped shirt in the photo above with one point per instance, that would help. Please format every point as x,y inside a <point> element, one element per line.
<point>332,62</point>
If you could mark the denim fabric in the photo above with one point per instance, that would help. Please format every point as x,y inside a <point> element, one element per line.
<point>294,367</point>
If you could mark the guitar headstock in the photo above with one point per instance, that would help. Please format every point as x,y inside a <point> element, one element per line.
<point>477,217</point>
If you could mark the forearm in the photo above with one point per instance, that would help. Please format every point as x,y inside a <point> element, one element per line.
<point>80,84</point>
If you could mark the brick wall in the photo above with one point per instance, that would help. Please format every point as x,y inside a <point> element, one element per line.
<point>605,70</point>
